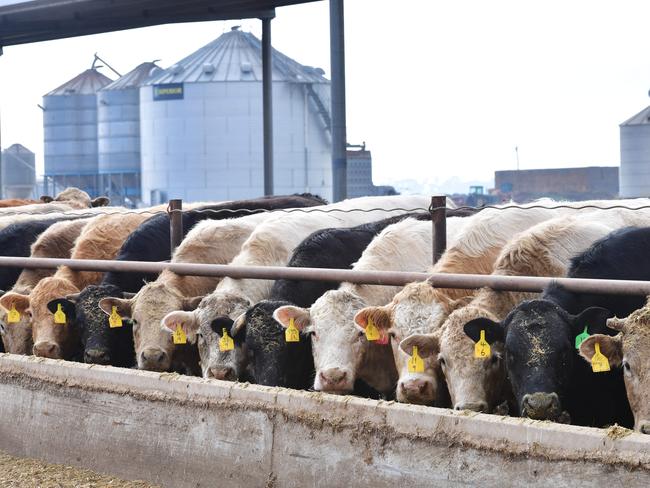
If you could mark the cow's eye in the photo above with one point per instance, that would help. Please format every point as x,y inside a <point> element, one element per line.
<point>313,334</point>
<point>626,366</point>
<point>361,333</point>
<point>494,359</point>
<point>441,360</point>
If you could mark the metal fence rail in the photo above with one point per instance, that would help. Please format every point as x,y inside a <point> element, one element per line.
<point>392,278</point>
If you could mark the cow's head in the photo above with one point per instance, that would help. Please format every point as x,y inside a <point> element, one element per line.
<point>477,384</point>
<point>50,339</point>
<point>275,362</point>
<point>101,343</point>
<point>154,348</point>
<point>16,336</point>
<point>539,339</point>
<point>205,325</point>
<point>417,309</point>
<point>338,346</point>
<point>629,350</point>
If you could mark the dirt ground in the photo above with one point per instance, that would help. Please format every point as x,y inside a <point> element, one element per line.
<point>29,473</point>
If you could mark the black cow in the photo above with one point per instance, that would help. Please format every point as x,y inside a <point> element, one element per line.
<point>151,242</point>
<point>16,240</point>
<point>545,370</point>
<point>276,362</point>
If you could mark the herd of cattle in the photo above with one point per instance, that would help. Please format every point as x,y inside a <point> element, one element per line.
<point>560,356</point>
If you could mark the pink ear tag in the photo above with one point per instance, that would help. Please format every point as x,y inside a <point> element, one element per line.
<point>383,338</point>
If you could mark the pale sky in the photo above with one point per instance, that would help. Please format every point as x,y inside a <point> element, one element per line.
<point>437,89</point>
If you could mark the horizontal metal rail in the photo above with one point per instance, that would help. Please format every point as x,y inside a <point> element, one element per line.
<point>392,278</point>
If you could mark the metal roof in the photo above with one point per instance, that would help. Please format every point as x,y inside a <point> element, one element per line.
<point>42,20</point>
<point>86,83</point>
<point>236,56</point>
<point>134,78</point>
<point>642,118</point>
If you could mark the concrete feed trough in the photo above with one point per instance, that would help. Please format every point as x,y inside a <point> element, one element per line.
<point>179,431</point>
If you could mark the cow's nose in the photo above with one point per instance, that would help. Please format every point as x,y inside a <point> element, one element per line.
<point>222,373</point>
<point>333,376</point>
<point>473,406</point>
<point>540,406</point>
<point>154,358</point>
<point>97,356</point>
<point>414,386</point>
<point>47,349</point>
<point>645,427</point>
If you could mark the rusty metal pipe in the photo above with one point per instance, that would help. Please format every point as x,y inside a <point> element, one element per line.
<point>392,278</point>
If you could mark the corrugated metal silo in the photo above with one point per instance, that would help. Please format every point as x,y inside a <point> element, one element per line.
<point>70,131</point>
<point>18,172</point>
<point>634,174</point>
<point>118,134</point>
<point>201,125</point>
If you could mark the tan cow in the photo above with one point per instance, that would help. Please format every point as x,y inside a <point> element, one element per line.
<point>210,241</point>
<point>629,349</point>
<point>543,250</point>
<point>56,242</point>
<point>100,239</point>
<point>69,199</point>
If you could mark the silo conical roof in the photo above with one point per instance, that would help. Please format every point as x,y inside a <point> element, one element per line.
<point>134,78</point>
<point>236,56</point>
<point>86,83</point>
<point>642,118</point>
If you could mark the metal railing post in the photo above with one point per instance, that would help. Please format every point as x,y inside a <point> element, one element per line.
<point>438,211</point>
<point>175,210</point>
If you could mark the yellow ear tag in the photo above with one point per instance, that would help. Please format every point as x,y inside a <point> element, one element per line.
<point>599,362</point>
<point>114,320</point>
<point>13,316</point>
<point>179,336</point>
<point>372,332</point>
<point>482,348</point>
<point>415,362</point>
<point>59,315</point>
<point>291,334</point>
<point>226,343</point>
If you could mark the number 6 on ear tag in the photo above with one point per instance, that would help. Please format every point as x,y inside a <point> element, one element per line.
<point>291,334</point>
<point>482,348</point>
<point>226,343</point>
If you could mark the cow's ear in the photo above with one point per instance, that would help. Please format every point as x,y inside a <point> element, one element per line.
<point>300,316</point>
<point>100,202</point>
<point>593,318</point>
<point>122,306</point>
<point>20,302</point>
<point>616,324</point>
<point>73,297</point>
<point>191,303</point>
<point>67,306</point>
<point>494,331</point>
<point>610,347</point>
<point>187,320</point>
<point>380,316</point>
<point>46,199</point>
<point>427,344</point>
<point>239,326</point>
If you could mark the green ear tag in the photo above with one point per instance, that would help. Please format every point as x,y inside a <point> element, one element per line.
<point>581,337</point>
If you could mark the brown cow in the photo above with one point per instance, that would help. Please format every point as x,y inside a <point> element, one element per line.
<point>100,239</point>
<point>629,349</point>
<point>56,242</point>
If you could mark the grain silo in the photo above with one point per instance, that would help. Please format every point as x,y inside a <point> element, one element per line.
<point>18,172</point>
<point>201,125</point>
<point>118,134</point>
<point>70,131</point>
<point>634,174</point>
